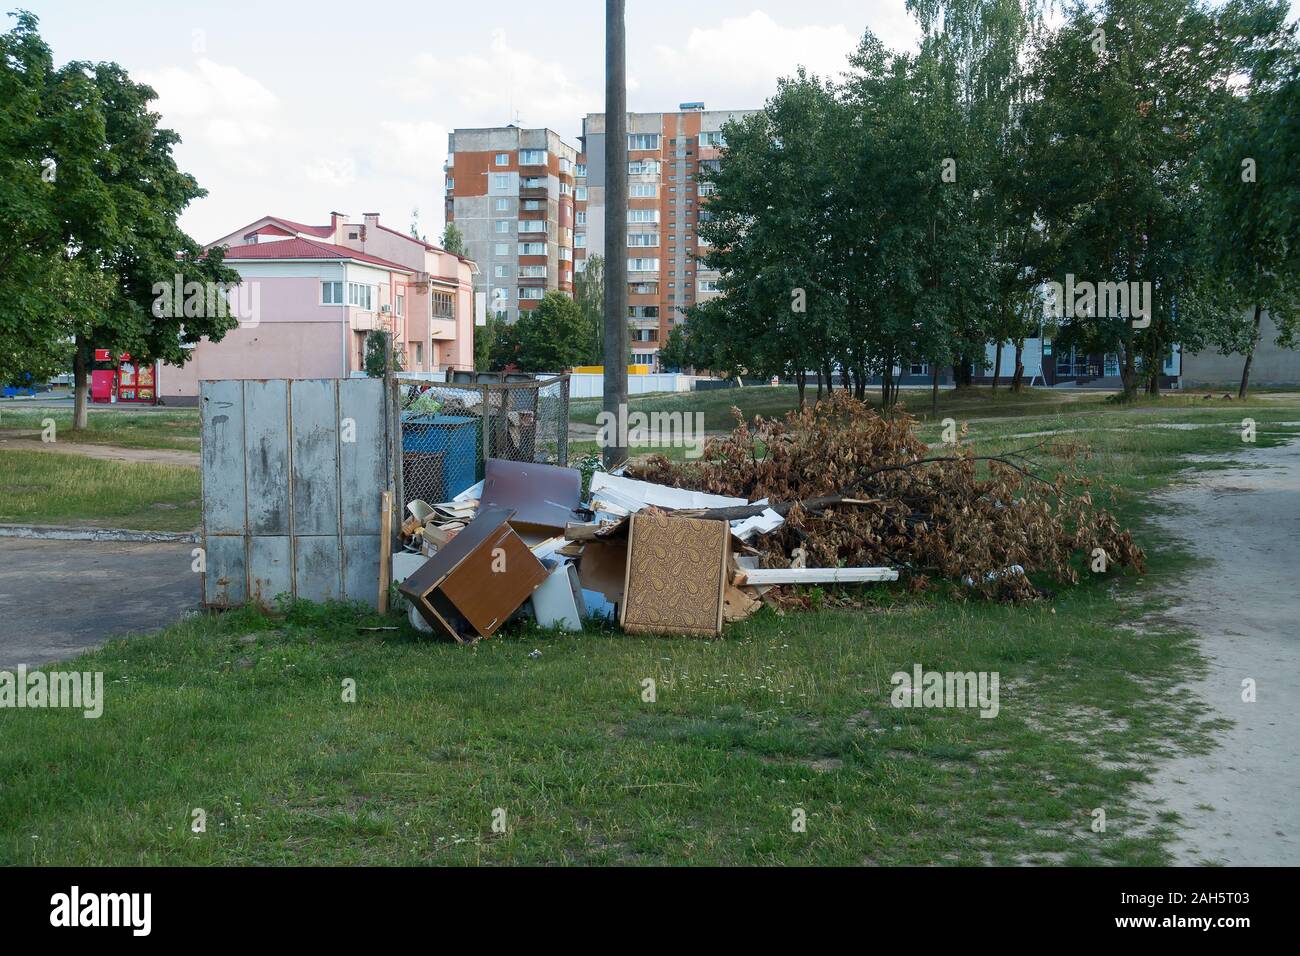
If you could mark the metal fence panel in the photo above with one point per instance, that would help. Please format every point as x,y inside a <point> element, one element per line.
<point>450,430</point>
<point>292,477</point>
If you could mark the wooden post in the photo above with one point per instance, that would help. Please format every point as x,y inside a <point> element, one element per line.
<point>385,549</point>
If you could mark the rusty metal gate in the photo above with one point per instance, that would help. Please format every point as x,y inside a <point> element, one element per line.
<point>293,472</point>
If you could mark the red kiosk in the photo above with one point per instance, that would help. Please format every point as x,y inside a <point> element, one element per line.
<point>122,380</point>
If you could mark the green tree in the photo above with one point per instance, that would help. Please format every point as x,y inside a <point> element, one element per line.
<point>1253,242</point>
<point>552,337</point>
<point>453,240</point>
<point>97,231</point>
<point>589,293</point>
<point>676,351</point>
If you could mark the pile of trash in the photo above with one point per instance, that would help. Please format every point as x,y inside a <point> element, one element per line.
<point>855,488</point>
<point>526,541</point>
<point>832,495</point>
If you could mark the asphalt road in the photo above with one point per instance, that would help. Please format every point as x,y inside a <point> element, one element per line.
<point>59,598</point>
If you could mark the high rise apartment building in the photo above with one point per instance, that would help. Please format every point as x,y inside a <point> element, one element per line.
<point>510,191</point>
<point>666,203</point>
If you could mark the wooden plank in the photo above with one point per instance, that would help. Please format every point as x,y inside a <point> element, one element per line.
<point>385,548</point>
<point>266,452</point>
<point>363,462</point>
<point>766,576</point>
<point>315,469</point>
<point>221,414</point>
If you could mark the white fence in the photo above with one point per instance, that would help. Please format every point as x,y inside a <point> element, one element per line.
<point>592,385</point>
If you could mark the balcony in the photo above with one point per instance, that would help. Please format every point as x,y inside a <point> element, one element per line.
<point>533,189</point>
<point>443,329</point>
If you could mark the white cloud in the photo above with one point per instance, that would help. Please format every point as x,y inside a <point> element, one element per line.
<point>491,88</point>
<point>735,64</point>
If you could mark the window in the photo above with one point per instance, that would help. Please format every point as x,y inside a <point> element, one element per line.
<point>567,190</point>
<point>502,225</point>
<point>503,159</point>
<point>444,305</point>
<point>713,140</point>
<point>643,215</point>
<point>359,295</point>
<point>643,141</point>
<point>643,265</point>
<point>532,225</point>
<point>643,311</point>
<point>566,166</point>
<point>419,353</point>
<point>580,241</point>
<point>501,249</point>
<point>643,238</point>
<point>500,182</point>
<point>580,171</point>
<point>532,157</point>
<point>582,217</point>
<point>502,272</point>
<point>532,248</point>
<point>451,182</point>
<point>566,254</point>
<point>531,293</point>
<point>532,272</point>
<point>401,305</point>
<point>643,167</point>
<point>580,194</point>
<point>641,190</point>
<point>331,293</point>
<point>918,368</point>
<point>708,285</point>
<point>639,358</point>
<point>503,205</point>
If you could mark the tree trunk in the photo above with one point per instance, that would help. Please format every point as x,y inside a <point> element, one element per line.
<point>997,363</point>
<point>860,390</point>
<point>1250,356</point>
<point>616,344</point>
<point>886,385</point>
<point>81,384</point>
<point>801,381</point>
<point>820,385</point>
<point>1128,374</point>
<point>934,389</point>
<point>1018,376</point>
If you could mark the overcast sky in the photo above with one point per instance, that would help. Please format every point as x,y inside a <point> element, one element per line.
<point>299,108</point>
<point>295,109</point>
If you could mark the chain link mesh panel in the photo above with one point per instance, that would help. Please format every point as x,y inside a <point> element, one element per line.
<point>449,430</point>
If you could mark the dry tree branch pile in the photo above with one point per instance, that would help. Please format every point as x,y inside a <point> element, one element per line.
<point>858,490</point>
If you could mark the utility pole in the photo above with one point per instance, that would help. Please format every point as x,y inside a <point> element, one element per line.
<point>615,228</point>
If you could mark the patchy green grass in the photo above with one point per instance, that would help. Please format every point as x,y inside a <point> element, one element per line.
<point>174,428</point>
<point>49,488</point>
<point>243,716</point>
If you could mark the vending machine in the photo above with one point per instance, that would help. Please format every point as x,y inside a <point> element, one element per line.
<point>122,379</point>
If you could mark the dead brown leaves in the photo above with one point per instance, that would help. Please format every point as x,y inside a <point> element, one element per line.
<point>963,518</point>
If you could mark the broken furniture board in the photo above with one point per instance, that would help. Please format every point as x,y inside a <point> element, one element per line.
<point>543,497</point>
<point>677,570</point>
<point>472,586</point>
<point>629,495</point>
<point>758,577</point>
<point>558,602</point>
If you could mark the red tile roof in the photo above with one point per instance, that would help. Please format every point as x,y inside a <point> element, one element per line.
<point>300,248</point>
<point>323,232</point>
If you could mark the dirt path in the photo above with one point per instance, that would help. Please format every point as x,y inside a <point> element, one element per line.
<point>22,441</point>
<point>1239,803</point>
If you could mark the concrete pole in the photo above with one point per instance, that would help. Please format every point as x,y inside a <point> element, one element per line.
<point>615,225</point>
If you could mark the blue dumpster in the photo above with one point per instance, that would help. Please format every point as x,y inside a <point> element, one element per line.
<point>439,456</point>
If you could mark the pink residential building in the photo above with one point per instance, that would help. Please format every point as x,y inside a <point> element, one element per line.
<point>310,294</point>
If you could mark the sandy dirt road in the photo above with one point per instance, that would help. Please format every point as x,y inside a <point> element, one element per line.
<point>1240,803</point>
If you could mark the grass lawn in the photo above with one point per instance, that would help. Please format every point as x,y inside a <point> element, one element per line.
<point>242,715</point>
<point>174,428</point>
<point>49,488</point>
<point>966,403</point>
